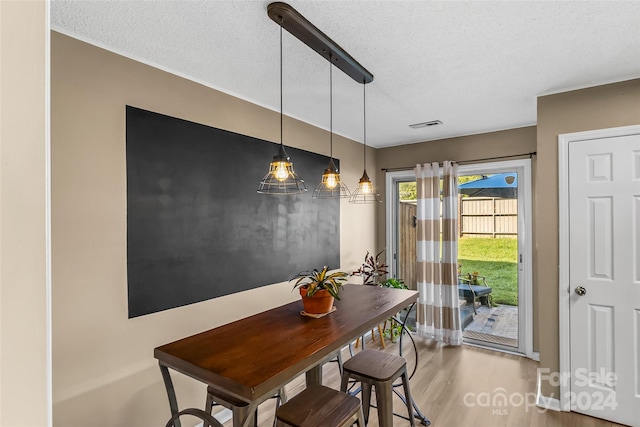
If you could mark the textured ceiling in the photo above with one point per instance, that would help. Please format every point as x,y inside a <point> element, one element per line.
<point>477,66</point>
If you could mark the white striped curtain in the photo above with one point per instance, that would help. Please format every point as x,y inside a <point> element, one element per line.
<point>438,308</point>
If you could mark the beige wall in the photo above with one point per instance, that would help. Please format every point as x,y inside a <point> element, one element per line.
<point>587,109</point>
<point>104,370</point>
<point>24,397</point>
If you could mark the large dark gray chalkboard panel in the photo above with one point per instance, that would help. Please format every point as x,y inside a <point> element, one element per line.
<point>197,229</point>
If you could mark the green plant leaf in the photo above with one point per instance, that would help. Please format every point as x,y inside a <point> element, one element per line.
<point>315,280</point>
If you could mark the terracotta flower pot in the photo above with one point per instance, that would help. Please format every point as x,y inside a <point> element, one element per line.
<point>321,302</point>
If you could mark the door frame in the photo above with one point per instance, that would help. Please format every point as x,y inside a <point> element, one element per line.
<point>525,247</point>
<point>564,287</point>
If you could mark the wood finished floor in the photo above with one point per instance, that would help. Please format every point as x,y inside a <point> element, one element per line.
<point>446,375</point>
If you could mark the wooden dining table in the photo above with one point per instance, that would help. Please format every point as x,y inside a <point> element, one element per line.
<point>252,358</point>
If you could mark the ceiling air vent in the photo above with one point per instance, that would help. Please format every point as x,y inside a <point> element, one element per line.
<point>425,124</point>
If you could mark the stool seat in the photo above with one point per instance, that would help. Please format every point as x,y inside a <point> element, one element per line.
<point>375,365</point>
<point>379,370</point>
<point>320,406</point>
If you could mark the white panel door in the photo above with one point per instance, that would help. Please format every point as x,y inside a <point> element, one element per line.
<point>604,256</point>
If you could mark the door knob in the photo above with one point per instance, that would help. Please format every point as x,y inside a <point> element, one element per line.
<point>581,290</point>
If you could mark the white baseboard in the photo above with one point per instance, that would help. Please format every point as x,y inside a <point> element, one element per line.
<point>545,402</point>
<point>548,403</point>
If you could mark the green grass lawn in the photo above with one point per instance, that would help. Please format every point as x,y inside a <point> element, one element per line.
<point>496,259</point>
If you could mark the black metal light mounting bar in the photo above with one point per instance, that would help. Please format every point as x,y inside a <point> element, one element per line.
<point>292,21</point>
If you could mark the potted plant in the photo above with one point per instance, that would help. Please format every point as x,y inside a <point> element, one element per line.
<point>395,328</point>
<point>393,283</point>
<point>319,288</point>
<point>372,269</point>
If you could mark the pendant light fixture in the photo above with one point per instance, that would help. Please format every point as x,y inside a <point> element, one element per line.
<point>366,192</point>
<point>331,186</point>
<point>281,178</point>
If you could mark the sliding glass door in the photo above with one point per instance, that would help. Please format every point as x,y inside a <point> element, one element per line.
<point>494,251</point>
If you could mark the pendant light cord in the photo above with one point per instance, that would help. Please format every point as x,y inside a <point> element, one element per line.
<point>331,106</point>
<point>364,121</point>
<point>281,108</point>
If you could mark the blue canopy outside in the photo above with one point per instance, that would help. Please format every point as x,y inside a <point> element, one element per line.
<point>503,185</point>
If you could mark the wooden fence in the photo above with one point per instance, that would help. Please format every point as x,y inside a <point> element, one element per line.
<point>407,244</point>
<point>487,217</point>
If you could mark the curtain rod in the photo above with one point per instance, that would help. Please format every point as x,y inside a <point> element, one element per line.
<point>464,162</point>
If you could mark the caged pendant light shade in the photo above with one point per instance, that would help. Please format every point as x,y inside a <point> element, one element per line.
<point>331,186</point>
<point>366,191</point>
<point>281,178</point>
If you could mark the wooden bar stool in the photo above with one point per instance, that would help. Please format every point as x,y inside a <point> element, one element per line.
<point>238,408</point>
<point>320,406</point>
<point>380,370</point>
<point>373,336</point>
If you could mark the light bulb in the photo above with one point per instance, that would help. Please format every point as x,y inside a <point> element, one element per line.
<point>365,187</point>
<point>331,180</point>
<point>281,173</point>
